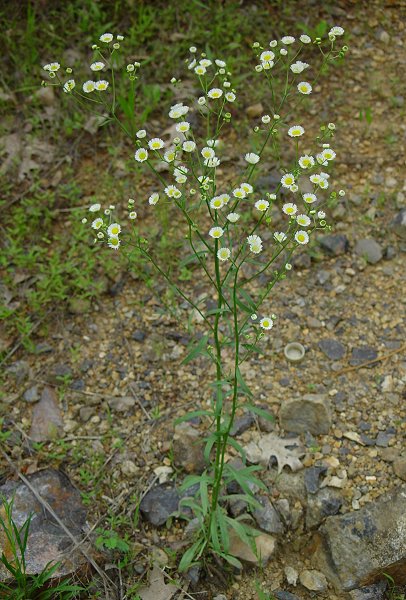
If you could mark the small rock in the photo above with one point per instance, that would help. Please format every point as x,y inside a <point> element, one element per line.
<point>399,468</point>
<point>312,478</point>
<point>362,354</point>
<point>398,224</point>
<point>323,276</point>
<point>313,580</point>
<point>138,336</point>
<point>122,404</point>
<point>282,595</point>
<point>43,348</point>
<point>129,468</point>
<point>85,413</point>
<point>334,244</point>
<point>47,420</point>
<point>60,372</point>
<point>79,306</point>
<point>383,36</point>
<point>325,503</point>
<point>389,454</point>
<point>31,395</point>
<point>372,592</point>
<point>267,517</point>
<point>383,439</point>
<point>369,249</point>
<point>265,546</point>
<point>20,370</point>
<point>188,449</point>
<point>291,575</point>
<point>333,349</point>
<point>159,504</point>
<point>310,413</point>
<point>255,110</point>
<point>241,424</point>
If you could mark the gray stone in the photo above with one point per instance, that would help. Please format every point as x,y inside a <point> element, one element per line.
<point>399,467</point>
<point>159,504</point>
<point>356,548</point>
<point>326,503</point>
<point>138,336</point>
<point>47,541</point>
<point>369,249</point>
<point>188,448</point>
<point>334,244</point>
<point>313,580</point>
<point>31,395</point>
<point>282,595</point>
<point>43,348</point>
<point>333,349</point>
<point>85,413</point>
<point>267,517</point>
<point>309,413</point>
<point>372,592</point>
<point>312,478</point>
<point>398,224</point>
<point>241,424</point>
<point>383,36</point>
<point>121,404</point>
<point>362,354</point>
<point>47,420</point>
<point>60,372</point>
<point>382,439</point>
<point>265,549</point>
<point>20,370</point>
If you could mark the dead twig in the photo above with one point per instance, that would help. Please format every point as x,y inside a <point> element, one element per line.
<point>371,362</point>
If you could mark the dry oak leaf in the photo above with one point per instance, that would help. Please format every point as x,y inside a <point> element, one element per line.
<point>286,451</point>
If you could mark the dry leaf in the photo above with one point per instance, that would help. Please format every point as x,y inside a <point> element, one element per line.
<point>273,446</point>
<point>157,588</point>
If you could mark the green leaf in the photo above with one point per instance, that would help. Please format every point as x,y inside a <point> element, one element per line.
<point>214,536</point>
<point>231,441</point>
<point>259,411</point>
<point>242,383</point>
<point>225,538</point>
<point>193,414</point>
<point>190,554</point>
<point>197,349</point>
<point>242,531</point>
<point>204,496</point>
<point>232,560</point>
<point>211,440</point>
<point>216,311</point>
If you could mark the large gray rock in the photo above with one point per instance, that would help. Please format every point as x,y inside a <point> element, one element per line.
<point>399,224</point>
<point>159,504</point>
<point>309,413</point>
<point>356,548</point>
<point>47,419</point>
<point>188,449</point>
<point>369,249</point>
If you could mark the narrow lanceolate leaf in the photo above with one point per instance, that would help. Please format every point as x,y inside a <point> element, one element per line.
<point>242,385</point>
<point>231,441</point>
<point>259,411</point>
<point>211,440</point>
<point>193,414</point>
<point>243,532</point>
<point>190,554</point>
<point>232,560</point>
<point>197,349</point>
<point>214,534</point>
<point>224,536</point>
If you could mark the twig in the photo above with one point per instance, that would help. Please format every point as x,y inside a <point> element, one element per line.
<point>370,362</point>
<point>51,511</point>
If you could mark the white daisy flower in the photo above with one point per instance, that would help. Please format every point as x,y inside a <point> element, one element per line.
<point>233,217</point>
<point>215,93</point>
<point>156,144</point>
<point>217,202</point>
<point>95,207</point>
<point>213,143</point>
<point>247,187</point>
<point>331,126</point>
<point>254,239</point>
<point>309,198</point>
<point>273,43</point>
<point>153,199</point>
<point>337,31</point>
<point>289,208</point>
<point>306,161</point>
<point>189,146</point>
<point>201,100</point>
<point>298,66</point>
<point>114,242</point>
<point>223,253</point>
<point>216,232</point>
<point>141,133</point>
<point>69,85</point>
<point>323,183</point>
<point>287,180</point>
<point>321,214</point>
<point>172,191</point>
<point>114,229</point>
<point>178,110</point>
<point>52,67</point>
<point>315,178</point>
<point>288,39</point>
<point>226,198</point>
<point>321,160</point>
<point>252,158</point>
<point>141,155</point>
<point>280,237</point>
<point>182,127</point>
<point>97,66</point>
<point>97,223</point>
<point>212,162</point>
<point>266,119</point>
<point>200,70</point>
<point>180,171</point>
<point>296,131</point>
<point>120,38</point>
<point>230,96</point>
<point>205,62</point>
<point>101,85</point>
<point>207,152</point>
<point>302,237</point>
<point>261,205</point>
<point>329,154</point>
<point>266,323</point>
<point>220,63</point>
<point>304,88</point>
<point>239,193</point>
<point>305,39</point>
<point>268,65</point>
<point>130,68</point>
<point>106,38</point>
<point>88,87</point>
<point>256,247</point>
<point>293,188</point>
<point>132,215</point>
<point>267,56</point>
<point>283,51</point>
<point>303,220</point>
<point>192,49</point>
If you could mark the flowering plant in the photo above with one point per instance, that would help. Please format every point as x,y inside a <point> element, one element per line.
<point>228,227</point>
